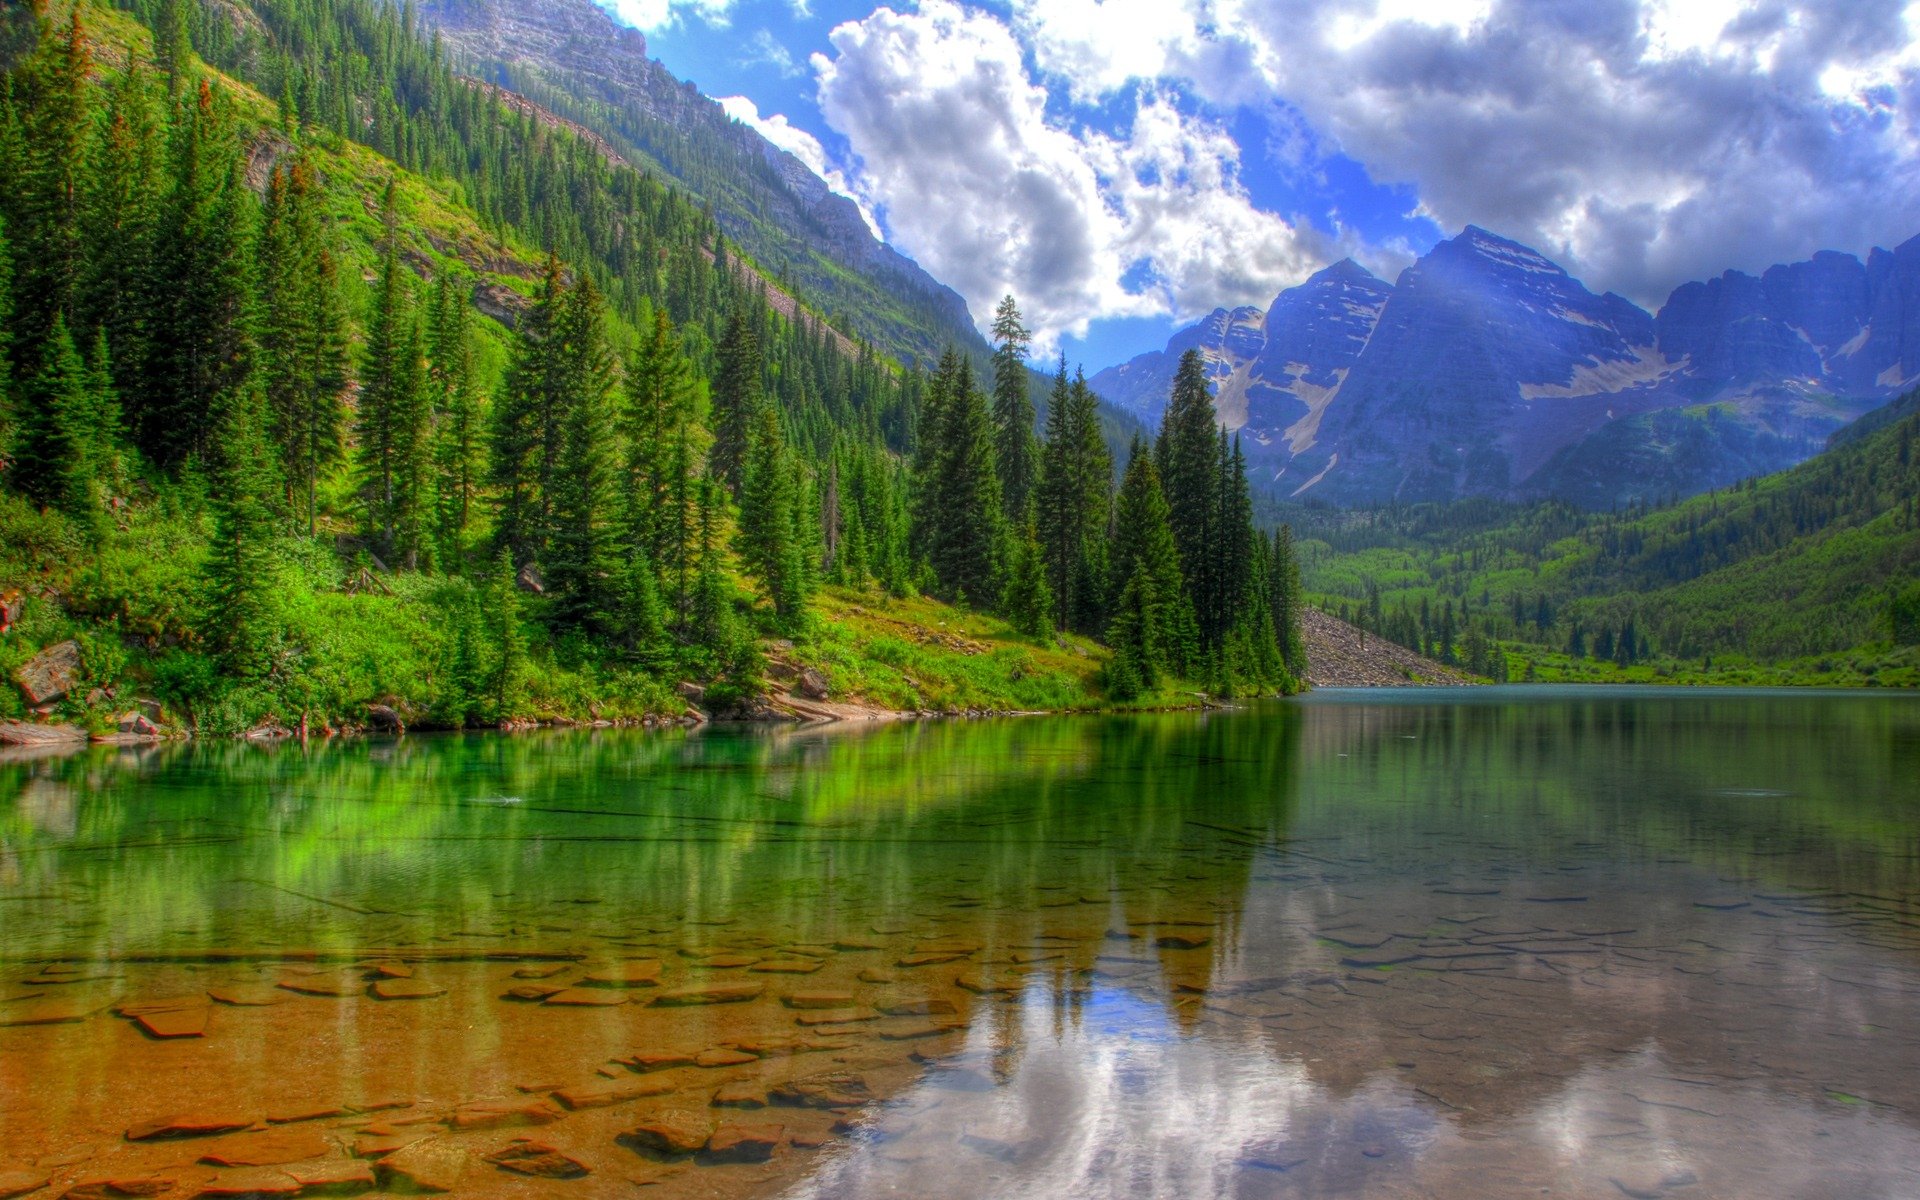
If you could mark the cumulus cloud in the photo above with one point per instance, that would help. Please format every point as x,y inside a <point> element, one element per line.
<point>1645,142</point>
<point>803,146</point>
<point>975,179</point>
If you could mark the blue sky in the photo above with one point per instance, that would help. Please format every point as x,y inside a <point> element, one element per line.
<point>1124,166</point>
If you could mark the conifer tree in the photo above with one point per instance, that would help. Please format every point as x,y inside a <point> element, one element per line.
<point>119,214</point>
<point>960,511</point>
<point>1074,503</point>
<point>53,460</point>
<point>524,420</point>
<point>1013,413</point>
<point>1151,620</point>
<point>303,338</point>
<point>242,568</point>
<point>769,533</point>
<point>1284,601</point>
<point>200,292</point>
<point>663,443</point>
<point>172,47</point>
<point>459,455</point>
<point>43,201</point>
<point>6,334</point>
<point>1187,456</point>
<point>581,556</point>
<point>1028,601</point>
<point>391,424</point>
<point>505,686</point>
<point>737,401</point>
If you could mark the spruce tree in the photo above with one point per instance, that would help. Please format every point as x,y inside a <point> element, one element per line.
<point>1151,614</point>
<point>459,458</point>
<point>52,459</point>
<point>1187,456</point>
<point>1013,413</point>
<point>43,201</point>
<point>769,535</point>
<point>663,443</point>
<point>581,556</point>
<point>199,297</point>
<point>6,335</point>
<point>1028,601</point>
<point>1284,598</point>
<point>524,421</point>
<point>505,686</point>
<point>963,533</point>
<point>119,214</point>
<point>737,401</point>
<point>242,569</point>
<point>303,338</point>
<point>391,423</point>
<point>1074,503</point>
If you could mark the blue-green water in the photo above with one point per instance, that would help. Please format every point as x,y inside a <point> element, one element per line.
<point>1493,943</point>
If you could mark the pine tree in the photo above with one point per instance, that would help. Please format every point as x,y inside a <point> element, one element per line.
<point>737,402</point>
<point>1028,601</point>
<point>459,458</point>
<point>524,420</point>
<point>242,569</point>
<point>962,531</point>
<point>43,202</point>
<point>581,556</point>
<point>172,48</point>
<point>506,685</point>
<point>664,441</point>
<point>6,334</point>
<point>200,292</point>
<point>119,216</point>
<point>1074,502</point>
<point>53,460</point>
<point>1187,455</point>
<point>303,338</point>
<point>1284,600</point>
<point>1152,619</point>
<point>391,425</point>
<point>769,534</point>
<point>1013,413</point>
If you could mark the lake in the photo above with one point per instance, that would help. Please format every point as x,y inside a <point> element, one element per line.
<point>1488,943</point>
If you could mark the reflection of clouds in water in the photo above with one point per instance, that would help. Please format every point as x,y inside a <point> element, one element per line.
<point>1118,1103</point>
<point>48,807</point>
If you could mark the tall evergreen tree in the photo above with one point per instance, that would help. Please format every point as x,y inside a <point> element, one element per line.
<point>52,459</point>
<point>1028,601</point>
<point>242,569</point>
<point>581,556</point>
<point>963,533</point>
<point>1187,456</point>
<point>769,528</point>
<point>303,338</point>
<point>119,215</point>
<point>459,453</point>
<point>391,424</point>
<point>737,401</point>
<point>43,201</point>
<point>663,444</point>
<point>1013,413</point>
<point>1074,502</point>
<point>200,292</point>
<point>1284,598</point>
<point>525,422</point>
<point>1150,622</point>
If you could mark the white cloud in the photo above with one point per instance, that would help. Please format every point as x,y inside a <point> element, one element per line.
<point>764,48</point>
<point>649,15</point>
<point>803,146</point>
<point>972,177</point>
<point>1646,142</point>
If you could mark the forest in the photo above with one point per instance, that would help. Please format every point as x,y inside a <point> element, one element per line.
<point>384,390</point>
<point>1810,575</point>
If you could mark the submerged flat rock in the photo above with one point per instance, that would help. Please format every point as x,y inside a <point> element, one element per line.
<point>271,1148</point>
<point>581,997</point>
<point>538,1160</point>
<point>610,1092</point>
<point>190,1125</point>
<point>710,993</point>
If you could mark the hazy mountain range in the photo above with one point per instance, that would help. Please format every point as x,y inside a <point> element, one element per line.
<point>1487,370</point>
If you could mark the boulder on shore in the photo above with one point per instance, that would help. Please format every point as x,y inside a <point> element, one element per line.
<point>49,675</point>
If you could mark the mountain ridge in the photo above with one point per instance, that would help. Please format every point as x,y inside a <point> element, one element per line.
<point>1486,369</point>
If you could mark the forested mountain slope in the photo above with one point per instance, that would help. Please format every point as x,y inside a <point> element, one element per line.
<point>397,392</point>
<point>1817,567</point>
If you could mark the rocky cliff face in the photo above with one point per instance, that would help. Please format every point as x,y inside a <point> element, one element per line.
<point>1486,369</point>
<point>570,57</point>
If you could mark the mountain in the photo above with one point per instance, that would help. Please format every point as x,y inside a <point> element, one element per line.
<point>1487,370</point>
<point>571,59</point>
